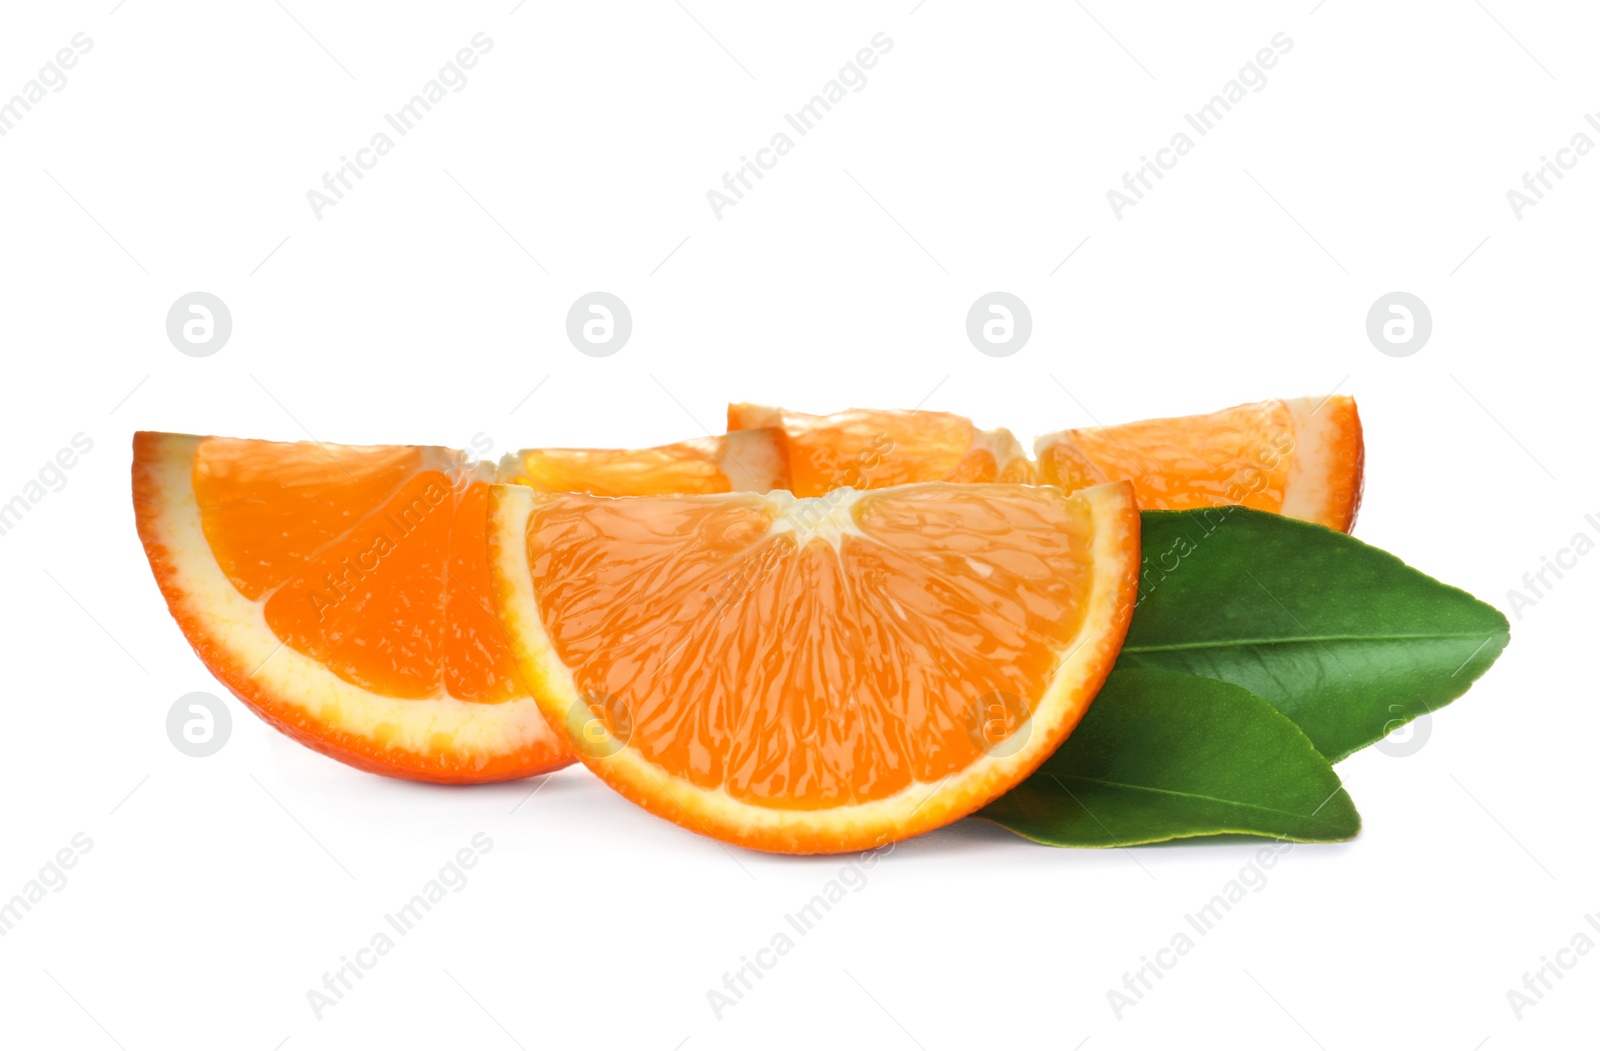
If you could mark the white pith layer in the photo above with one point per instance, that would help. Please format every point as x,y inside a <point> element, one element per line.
<point>826,518</point>
<point>1308,492</point>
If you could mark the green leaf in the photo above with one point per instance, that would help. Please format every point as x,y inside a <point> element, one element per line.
<point>1345,639</point>
<point>1161,755</point>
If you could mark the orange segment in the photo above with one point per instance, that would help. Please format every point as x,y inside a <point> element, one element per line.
<point>745,461</point>
<point>816,674</point>
<point>877,448</point>
<point>1300,457</point>
<point>342,593</point>
<point>309,507</point>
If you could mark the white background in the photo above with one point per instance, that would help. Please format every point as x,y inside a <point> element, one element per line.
<point>427,305</point>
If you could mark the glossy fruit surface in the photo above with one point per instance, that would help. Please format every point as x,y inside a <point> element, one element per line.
<point>816,674</point>
<point>877,448</point>
<point>1300,457</point>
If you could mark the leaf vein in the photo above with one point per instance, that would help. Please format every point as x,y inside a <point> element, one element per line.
<point>1309,818</point>
<point>1217,644</point>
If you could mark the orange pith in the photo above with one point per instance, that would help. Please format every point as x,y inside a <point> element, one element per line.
<point>816,674</point>
<point>877,448</point>
<point>1301,457</point>
<point>342,592</point>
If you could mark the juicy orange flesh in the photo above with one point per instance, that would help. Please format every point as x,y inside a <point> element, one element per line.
<point>877,448</point>
<point>1237,456</point>
<point>799,674</point>
<point>371,560</point>
<point>874,449</point>
<point>687,467</point>
<point>979,465</point>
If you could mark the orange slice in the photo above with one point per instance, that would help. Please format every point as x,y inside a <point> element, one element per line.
<point>1300,457</point>
<point>816,674</point>
<point>342,593</point>
<point>876,448</point>
<point>745,461</point>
